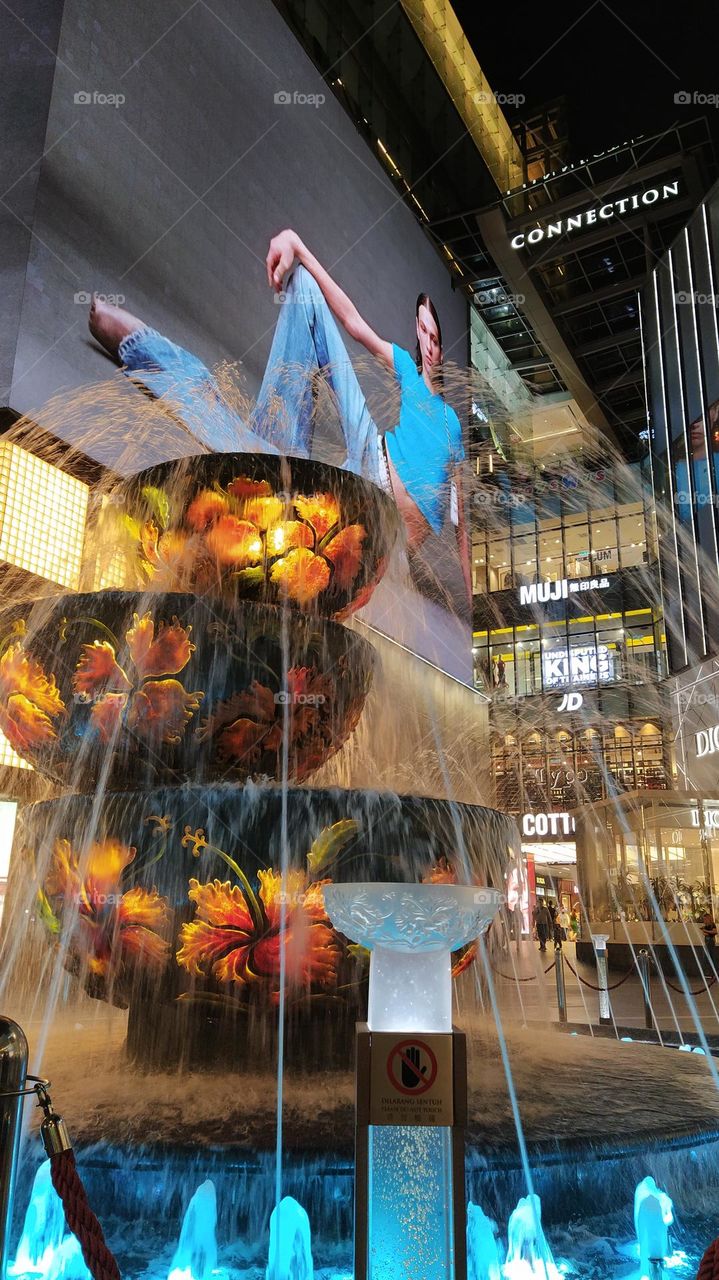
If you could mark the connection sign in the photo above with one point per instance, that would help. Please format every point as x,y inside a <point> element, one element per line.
<point>411,1079</point>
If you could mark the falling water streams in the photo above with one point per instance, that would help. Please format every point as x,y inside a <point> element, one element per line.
<point>240,1207</point>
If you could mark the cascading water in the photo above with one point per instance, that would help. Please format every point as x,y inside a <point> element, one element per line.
<point>199,907</point>
<point>195,747</point>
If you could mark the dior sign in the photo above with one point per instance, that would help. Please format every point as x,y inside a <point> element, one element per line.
<point>707,742</point>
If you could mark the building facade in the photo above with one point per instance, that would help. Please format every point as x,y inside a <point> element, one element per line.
<point>569,645</point>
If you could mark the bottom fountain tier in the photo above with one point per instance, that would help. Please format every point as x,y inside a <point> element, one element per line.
<point>195,906</point>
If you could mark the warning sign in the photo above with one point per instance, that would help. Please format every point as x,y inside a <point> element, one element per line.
<point>411,1079</point>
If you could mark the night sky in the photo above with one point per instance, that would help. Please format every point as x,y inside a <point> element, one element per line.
<point>619,66</point>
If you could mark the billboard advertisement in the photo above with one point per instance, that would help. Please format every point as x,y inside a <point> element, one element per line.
<point>211,235</point>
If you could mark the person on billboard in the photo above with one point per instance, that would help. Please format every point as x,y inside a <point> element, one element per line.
<point>418,460</point>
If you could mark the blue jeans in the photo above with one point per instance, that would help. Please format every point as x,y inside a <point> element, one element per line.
<point>306,341</point>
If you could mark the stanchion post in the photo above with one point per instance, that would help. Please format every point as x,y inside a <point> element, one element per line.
<point>561,986</point>
<point>645,974</point>
<point>600,941</point>
<point>13,1070</point>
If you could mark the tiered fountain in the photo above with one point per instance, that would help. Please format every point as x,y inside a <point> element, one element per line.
<point>181,713</point>
<point>180,869</point>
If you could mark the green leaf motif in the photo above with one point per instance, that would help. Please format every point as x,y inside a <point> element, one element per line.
<point>159,502</point>
<point>46,913</point>
<point>329,844</point>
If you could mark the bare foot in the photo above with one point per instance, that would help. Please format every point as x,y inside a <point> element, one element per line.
<point>110,324</point>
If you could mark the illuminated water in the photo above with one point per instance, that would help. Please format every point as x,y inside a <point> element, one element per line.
<point>166,1213</point>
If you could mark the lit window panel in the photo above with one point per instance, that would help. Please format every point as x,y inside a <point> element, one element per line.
<point>9,759</point>
<point>42,517</point>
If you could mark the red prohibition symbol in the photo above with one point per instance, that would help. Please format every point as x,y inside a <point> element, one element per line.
<point>412,1067</point>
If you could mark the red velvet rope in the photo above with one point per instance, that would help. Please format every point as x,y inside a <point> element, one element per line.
<point>80,1218</point>
<point>709,1265</point>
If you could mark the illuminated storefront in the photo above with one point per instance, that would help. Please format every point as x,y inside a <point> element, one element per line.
<point>649,869</point>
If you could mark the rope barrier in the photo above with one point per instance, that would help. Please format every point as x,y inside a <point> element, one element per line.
<point>66,1180</point>
<point>709,1265</point>
<point>591,985</point>
<point>699,992</point>
<point>512,977</point>
<point>80,1218</point>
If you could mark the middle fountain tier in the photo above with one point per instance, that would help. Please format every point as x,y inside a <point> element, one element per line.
<point>181,871</point>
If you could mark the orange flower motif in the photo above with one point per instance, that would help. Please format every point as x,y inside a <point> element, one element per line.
<point>29,701</point>
<point>206,507</point>
<point>322,511</point>
<point>101,870</point>
<point>226,941</point>
<point>162,709</point>
<point>243,487</point>
<point>263,512</point>
<point>172,552</point>
<point>234,542</point>
<point>248,727</point>
<point>151,708</point>
<point>440,873</point>
<point>345,552</point>
<point>301,575</point>
<point>292,533</point>
<point>110,931</point>
<point>98,667</point>
<point>163,654</point>
<point>245,726</point>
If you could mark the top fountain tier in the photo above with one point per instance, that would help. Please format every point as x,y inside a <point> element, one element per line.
<point>247,526</point>
<point>411,917</point>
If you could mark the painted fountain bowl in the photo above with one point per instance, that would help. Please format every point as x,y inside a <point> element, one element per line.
<point>128,690</point>
<point>242,526</point>
<point>411,917</point>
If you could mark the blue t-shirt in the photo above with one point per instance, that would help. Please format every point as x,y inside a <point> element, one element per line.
<point>426,445</point>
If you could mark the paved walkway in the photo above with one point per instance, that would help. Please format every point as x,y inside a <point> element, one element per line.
<point>525,992</point>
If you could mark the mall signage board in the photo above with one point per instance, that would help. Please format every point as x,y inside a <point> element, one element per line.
<point>595,215</point>
<point>707,741</point>
<point>711,818</point>
<point>538,825</point>
<point>562,589</point>
<point>582,664</point>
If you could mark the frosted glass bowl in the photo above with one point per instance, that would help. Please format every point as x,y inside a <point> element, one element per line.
<point>411,917</point>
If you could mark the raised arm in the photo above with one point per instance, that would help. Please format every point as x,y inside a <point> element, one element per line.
<point>284,250</point>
